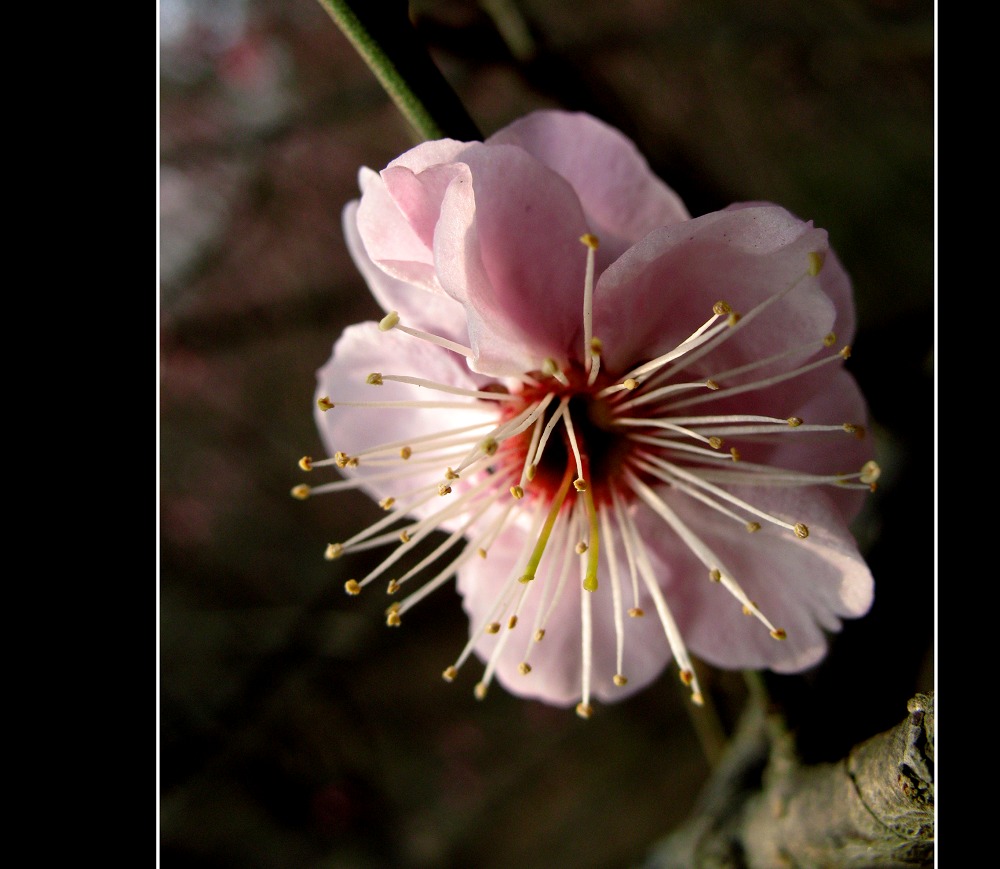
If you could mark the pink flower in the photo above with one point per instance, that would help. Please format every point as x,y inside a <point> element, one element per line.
<point>637,446</point>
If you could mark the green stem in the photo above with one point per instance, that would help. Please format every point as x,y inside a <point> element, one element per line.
<point>394,53</point>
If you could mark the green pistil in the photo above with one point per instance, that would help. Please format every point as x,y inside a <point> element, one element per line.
<point>590,580</point>
<point>550,521</point>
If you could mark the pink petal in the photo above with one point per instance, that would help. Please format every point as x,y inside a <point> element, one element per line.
<point>622,199</point>
<point>664,287</point>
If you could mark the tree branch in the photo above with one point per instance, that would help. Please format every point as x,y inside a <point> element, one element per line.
<point>764,810</point>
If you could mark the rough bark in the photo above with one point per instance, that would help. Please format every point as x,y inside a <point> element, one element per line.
<point>764,810</point>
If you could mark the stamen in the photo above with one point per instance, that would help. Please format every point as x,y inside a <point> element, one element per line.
<point>634,611</point>
<point>550,368</point>
<point>675,471</point>
<point>391,321</point>
<point>586,636</point>
<point>759,384</point>
<point>670,629</point>
<point>696,545</point>
<point>549,426</point>
<point>441,437</point>
<point>712,441</point>
<point>596,349</point>
<point>696,339</point>
<point>485,395</point>
<point>616,597</point>
<point>574,446</point>
<point>647,397</point>
<point>590,241</point>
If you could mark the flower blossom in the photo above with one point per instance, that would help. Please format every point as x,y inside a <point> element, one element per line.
<point>633,427</point>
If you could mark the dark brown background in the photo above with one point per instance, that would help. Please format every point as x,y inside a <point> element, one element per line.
<point>295,729</point>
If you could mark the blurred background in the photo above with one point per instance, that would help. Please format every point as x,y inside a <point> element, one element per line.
<point>296,730</point>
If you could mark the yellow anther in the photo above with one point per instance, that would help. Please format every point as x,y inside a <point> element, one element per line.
<point>479,692</point>
<point>374,379</point>
<point>698,699</point>
<point>687,677</point>
<point>581,547</point>
<point>524,579</point>
<point>549,366</point>
<point>352,587</point>
<point>352,462</point>
<point>747,611</point>
<point>389,321</point>
<point>529,472</point>
<point>404,536</point>
<point>444,490</point>
<point>619,680</point>
<point>735,453</point>
<point>715,575</point>
<point>405,453</point>
<point>493,628</point>
<point>580,485</point>
<point>392,618</point>
<point>524,668</point>
<point>816,260</point>
<point>857,430</point>
<point>340,457</point>
<point>512,623</point>
<point>584,710</point>
<point>489,446</point>
<point>801,531</point>
<point>596,346</point>
<point>481,552</point>
<point>711,384</point>
<point>870,472</point>
<point>845,351</point>
<point>630,383</point>
<point>636,613</point>
<point>753,527</point>
<point>301,491</point>
<point>590,240</point>
<point>393,587</point>
<point>794,421</point>
<point>306,463</point>
<point>333,551</point>
<point>830,340</point>
<point>517,492</point>
<point>386,503</point>
<point>779,634</point>
<point>715,442</point>
<point>449,674</point>
<point>539,635</point>
<point>721,309</point>
<point>324,403</point>
<point>733,318</point>
<point>449,474</point>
